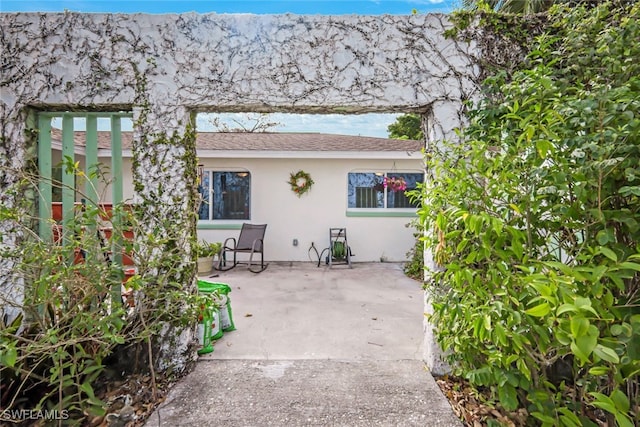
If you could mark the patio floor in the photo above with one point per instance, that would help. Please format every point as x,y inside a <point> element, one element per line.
<point>314,346</point>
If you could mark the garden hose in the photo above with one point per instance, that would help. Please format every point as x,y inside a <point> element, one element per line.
<point>313,247</point>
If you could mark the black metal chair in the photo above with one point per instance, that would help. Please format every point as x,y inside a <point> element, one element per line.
<point>250,241</point>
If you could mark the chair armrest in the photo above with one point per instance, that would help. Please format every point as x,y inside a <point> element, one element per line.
<point>233,239</point>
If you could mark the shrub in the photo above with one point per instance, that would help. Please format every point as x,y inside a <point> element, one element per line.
<point>72,319</point>
<point>414,268</point>
<point>72,323</point>
<point>535,221</point>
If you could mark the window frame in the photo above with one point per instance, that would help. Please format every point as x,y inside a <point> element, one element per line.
<point>383,210</point>
<point>210,220</point>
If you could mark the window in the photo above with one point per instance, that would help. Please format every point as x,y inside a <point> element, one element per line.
<point>368,189</point>
<point>225,195</point>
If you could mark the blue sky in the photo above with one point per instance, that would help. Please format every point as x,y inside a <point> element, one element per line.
<point>365,125</point>
<point>303,7</point>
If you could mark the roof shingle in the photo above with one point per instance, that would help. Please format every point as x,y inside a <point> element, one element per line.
<point>266,141</point>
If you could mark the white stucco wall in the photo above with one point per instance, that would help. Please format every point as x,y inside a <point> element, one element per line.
<point>309,217</point>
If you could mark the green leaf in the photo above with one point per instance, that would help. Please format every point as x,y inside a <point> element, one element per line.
<point>516,246</point>
<point>608,299</point>
<point>606,353</point>
<point>582,302</point>
<point>9,356</point>
<point>539,310</point>
<point>487,322</point>
<point>564,308</point>
<point>500,335</point>
<point>630,265</point>
<point>579,326</point>
<point>603,237</point>
<point>86,387</point>
<point>508,397</point>
<point>616,330</point>
<point>599,370</point>
<point>543,147</point>
<point>523,368</point>
<point>563,337</point>
<point>584,346</point>
<point>608,253</point>
<point>621,400</point>
<point>463,243</point>
<point>624,420</point>
<point>567,270</point>
<point>603,402</point>
<point>569,418</point>
<point>546,419</point>
<point>481,376</point>
<point>629,190</point>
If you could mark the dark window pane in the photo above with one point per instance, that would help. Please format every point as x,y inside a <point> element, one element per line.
<point>231,192</point>
<point>366,197</point>
<point>225,195</point>
<point>399,200</point>
<point>365,190</point>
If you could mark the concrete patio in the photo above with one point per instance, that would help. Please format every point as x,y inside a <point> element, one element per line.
<point>314,346</point>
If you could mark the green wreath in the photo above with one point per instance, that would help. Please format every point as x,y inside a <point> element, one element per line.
<point>300,182</point>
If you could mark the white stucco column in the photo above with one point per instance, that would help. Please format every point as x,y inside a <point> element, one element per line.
<point>439,125</point>
<point>164,168</point>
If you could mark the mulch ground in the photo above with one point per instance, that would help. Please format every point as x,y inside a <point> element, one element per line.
<point>131,401</point>
<point>471,407</point>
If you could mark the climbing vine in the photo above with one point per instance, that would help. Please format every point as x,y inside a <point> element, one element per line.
<point>504,40</point>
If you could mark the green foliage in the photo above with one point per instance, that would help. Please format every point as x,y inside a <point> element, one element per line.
<point>208,249</point>
<point>509,6</point>
<point>53,353</point>
<point>73,321</point>
<point>407,126</point>
<point>414,268</point>
<point>535,221</point>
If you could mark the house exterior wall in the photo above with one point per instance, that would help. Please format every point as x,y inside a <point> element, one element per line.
<point>308,218</point>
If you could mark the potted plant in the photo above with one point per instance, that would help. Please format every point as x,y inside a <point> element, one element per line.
<point>206,252</point>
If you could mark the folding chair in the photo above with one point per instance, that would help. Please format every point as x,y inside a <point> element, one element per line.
<point>250,241</point>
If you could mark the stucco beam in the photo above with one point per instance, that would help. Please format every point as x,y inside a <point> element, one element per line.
<point>232,63</point>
